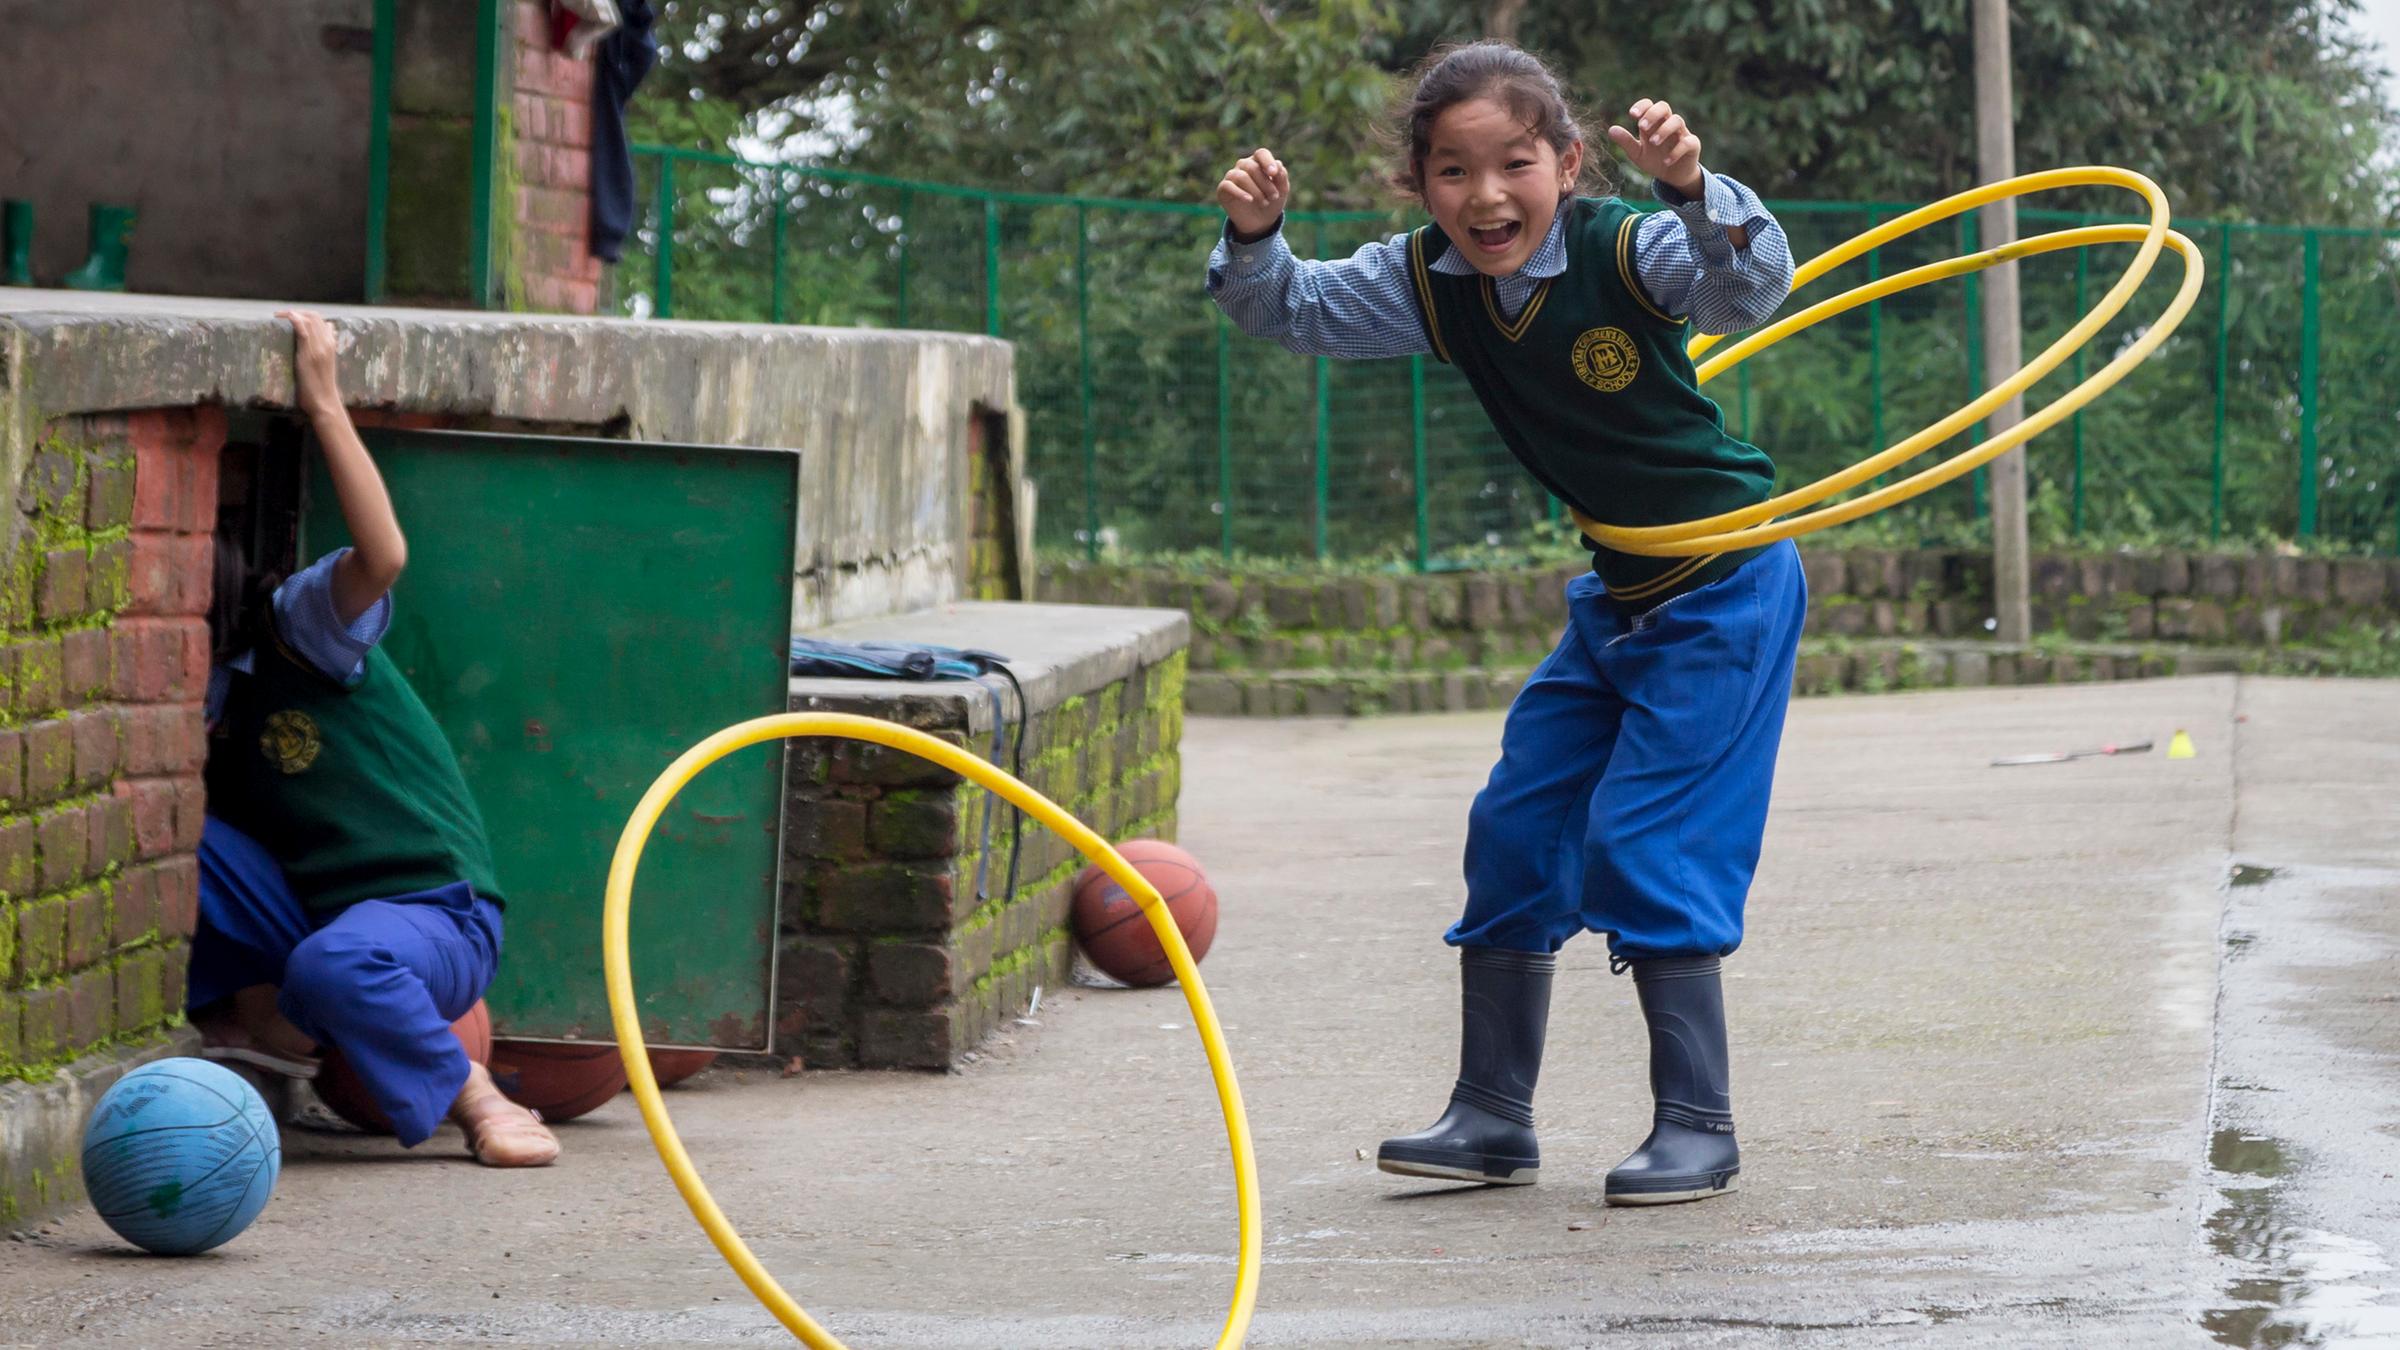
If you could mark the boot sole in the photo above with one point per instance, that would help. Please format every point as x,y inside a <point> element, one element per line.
<point>1453,1171</point>
<point>1714,1184</point>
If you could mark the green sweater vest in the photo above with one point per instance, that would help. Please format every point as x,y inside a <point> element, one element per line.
<point>1590,388</point>
<point>352,788</point>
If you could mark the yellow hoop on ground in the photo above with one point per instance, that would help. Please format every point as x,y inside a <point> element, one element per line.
<point>614,958</point>
<point>1754,525</point>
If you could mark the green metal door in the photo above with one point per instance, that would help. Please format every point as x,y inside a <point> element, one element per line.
<point>577,613</point>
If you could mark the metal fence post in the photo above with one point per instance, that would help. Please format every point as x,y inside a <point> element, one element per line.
<point>901,319</point>
<point>2310,256</point>
<point>1875,342</point>
<point>1324,423</point>
<point>1324,439</point>
<point>1083,361</point>
<point>379,147</point>
<point>2216,459</point>
<point>1224,436</point>
<point>2075,425</point>
<point>482,276</point>
<point>775,243</point>
<point>991,266</point>
<point>1416,440</point>
<point>662,277</point>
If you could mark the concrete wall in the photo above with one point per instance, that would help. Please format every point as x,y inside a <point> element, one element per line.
<point>112,420</point>
<point>884,419</point>
<point>238,128</point>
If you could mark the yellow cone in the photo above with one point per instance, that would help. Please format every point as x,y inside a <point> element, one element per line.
<point>2181,746</point>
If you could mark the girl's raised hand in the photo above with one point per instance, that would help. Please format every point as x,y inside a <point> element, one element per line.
<point>1661,146</point>
<point>1253,193</point>
<point>313,361</point>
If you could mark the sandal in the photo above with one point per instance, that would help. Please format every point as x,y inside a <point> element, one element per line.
<point>224,1038</point>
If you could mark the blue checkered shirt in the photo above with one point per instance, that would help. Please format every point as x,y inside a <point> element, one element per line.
<point>1363,306</point>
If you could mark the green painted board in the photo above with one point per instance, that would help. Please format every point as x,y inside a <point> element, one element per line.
<point>577,613</point>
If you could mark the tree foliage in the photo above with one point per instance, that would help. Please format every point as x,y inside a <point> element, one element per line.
<point>2256,109</point>
<point>1154,428</point>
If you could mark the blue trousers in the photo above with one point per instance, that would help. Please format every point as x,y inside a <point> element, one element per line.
<point>1631,792</point>
<point>380,981</point>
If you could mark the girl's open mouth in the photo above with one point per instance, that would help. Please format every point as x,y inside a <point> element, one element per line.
<point>1497,238</point>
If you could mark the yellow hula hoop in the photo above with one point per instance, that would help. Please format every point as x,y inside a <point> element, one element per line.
<point>622,1009</point>
<point>1755,525</point>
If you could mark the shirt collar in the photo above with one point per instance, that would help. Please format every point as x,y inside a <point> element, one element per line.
<point>1547,261</point>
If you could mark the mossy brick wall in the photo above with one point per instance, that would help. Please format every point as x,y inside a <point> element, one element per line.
<point>104,665</point>
<point>541,198</point>
<point>1282,644</point>
<point>890,957</point>
<point>551,145</point>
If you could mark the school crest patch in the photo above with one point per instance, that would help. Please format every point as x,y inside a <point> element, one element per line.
<point>1606,360</point>
<point>290,741</point>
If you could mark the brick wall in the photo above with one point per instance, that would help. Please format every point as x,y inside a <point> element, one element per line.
<point>551,122</point>
<point>541,224</point>
<point>888,957</point>
<point>1301,643</point>
<point>101,742</point>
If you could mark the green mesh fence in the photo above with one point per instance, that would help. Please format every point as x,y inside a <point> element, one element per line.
<point>1155,427</point>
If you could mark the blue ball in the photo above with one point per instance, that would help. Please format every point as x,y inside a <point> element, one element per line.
<point>180,1156</point>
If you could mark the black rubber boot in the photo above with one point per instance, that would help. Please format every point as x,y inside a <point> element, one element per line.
<point>1690,1154</point>
<point>1487,1134</point>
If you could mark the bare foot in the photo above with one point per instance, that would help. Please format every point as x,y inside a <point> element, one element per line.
<point>499,1132</point>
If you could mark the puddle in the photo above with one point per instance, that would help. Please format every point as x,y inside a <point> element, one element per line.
<point>2246,874</point>
<point>2298,1286</point>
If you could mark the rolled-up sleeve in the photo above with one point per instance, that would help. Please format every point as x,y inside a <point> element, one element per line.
<point>306,620</point>
<point>1689,264</point>
<point>1358,307</point>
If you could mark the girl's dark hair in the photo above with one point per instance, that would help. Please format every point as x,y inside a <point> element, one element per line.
<point>1508,75</point>
<point>237,607</point>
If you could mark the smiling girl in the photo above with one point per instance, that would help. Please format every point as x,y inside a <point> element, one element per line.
<point>1635,765</point>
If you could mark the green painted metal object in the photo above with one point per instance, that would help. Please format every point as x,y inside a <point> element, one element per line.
<point>2311,257</point>
<point>662,275</point>
<point>104,269</point>
<point>16,242</point>
<point>1224,437</point>
<point>576,614</point>
<point>483,272</point>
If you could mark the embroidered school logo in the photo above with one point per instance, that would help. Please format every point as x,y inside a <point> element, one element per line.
<point>291,741</point>
<point>1606,360</point>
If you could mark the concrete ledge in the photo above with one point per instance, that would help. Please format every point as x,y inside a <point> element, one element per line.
<point>677,381</point>
<point>41,1126</point>
<point>884,421</point>
<point>1058,652</point>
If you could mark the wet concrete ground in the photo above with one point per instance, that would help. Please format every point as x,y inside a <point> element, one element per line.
<point>2014,1064</point>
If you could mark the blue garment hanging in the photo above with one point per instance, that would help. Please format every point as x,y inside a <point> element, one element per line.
<point>923,661</point>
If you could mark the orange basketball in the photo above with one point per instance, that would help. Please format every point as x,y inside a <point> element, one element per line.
<point>670,1067</point>
<point>1118,937</point>
<point>338,1085</point>
<point>560,1081</point>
